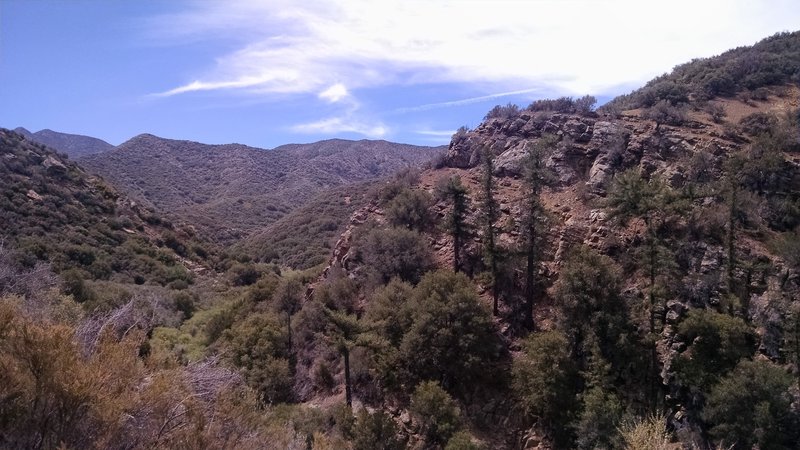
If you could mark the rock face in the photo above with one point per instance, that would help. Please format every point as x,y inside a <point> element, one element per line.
<point>590,150</point>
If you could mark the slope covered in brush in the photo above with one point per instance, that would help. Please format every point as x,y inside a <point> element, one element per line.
<point>52,211</point>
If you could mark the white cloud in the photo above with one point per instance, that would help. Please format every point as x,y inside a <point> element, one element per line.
<point>573,47</point>
<point>343,125</point>
<point>334,93</point>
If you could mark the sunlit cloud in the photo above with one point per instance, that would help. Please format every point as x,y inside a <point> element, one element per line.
<point>335,93</point>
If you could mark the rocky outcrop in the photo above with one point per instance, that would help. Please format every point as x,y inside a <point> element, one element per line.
<point>590,149</point>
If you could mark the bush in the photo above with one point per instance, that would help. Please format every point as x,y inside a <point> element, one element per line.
<point>260,347</point>
<point>395,252</point>
<point>502,112</point>
<point>436,412</point>
<point>666,113</point>
<point>646,434</point>
<point>244,274</point>
<point>717,342</point>
<point>376,430</point>
<point>751,408</point>
<point>583,105</point>
<point>758,123</point>
<point>410,209</point>
<point>462,441</point>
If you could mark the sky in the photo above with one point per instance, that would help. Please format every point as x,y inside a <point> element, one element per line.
<point>272,72</point>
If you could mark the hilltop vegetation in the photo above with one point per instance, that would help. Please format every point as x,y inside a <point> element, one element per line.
<point>745,71</point>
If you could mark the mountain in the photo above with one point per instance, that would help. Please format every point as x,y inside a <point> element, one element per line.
<point>228,191</point>
<point>54,212</point>
<point>73,145</point>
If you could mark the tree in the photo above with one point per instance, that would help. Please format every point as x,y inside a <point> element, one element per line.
<point>536,175</point>
<point>346,332</point>
<point>288,299</point>
<point>545,381</point>
<point>791,338</point>
<point>716,344</point>
<point>633,196</point>
<point>593,313</point>
<point>751,408</point>
<point>734,168</point>
<point>455,193</point>
<point>490,213</point>
<point>451,337</point>
<point>436,412</point>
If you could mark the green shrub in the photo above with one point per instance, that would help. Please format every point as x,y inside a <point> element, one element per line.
<point>436,413</point>
<point>751,408</point>
<point>395,252</point>
<point>716,344</point>
<point>376,430</point>
<point>410,209</point>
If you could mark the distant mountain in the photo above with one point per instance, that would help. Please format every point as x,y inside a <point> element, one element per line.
<point>74,145</point>
<point>231,190</point>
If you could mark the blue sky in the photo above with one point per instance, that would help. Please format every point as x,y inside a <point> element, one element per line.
<point>266,73</point>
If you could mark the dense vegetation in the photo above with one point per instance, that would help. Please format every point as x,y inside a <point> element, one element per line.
<point>773,61</point>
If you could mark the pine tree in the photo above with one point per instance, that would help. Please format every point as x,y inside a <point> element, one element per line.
<point>536,175</point>
<point>456,194</point>
<point>490,215</point>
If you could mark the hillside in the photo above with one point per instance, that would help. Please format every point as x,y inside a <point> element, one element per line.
<point>73,145</point>
<point>304,237</point>
<point>54,213</point>
<point>746,72</point>
<point>228,191</point>
<point>665,268</point>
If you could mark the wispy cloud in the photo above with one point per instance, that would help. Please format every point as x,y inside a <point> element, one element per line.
<point>465,101</point>
<point>308,47</point>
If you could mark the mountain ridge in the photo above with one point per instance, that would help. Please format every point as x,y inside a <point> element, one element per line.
<point>73,145</point>
<point>229,190</point>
